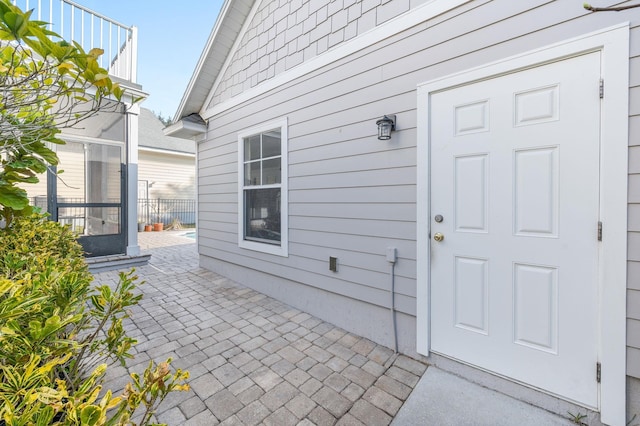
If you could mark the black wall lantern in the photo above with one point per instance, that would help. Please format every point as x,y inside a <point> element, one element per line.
<point>385,125</point>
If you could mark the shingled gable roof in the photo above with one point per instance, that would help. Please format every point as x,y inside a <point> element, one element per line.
<point>220,43</point>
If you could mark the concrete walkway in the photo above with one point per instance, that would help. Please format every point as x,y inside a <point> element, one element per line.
<point>252,359</point>
<point>444,399</point>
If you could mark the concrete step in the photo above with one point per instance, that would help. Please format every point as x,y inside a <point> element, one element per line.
<point>444,399</point>
<point>106,263</point>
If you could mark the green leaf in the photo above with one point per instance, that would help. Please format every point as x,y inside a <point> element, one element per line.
<point>45,416</point>
<point>5,285</point>
<point>90,415</point>
<point>13,197</point>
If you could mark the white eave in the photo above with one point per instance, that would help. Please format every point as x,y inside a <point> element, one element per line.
<point>185,129</point>
<point>225,31</point>
<point>166,151</point>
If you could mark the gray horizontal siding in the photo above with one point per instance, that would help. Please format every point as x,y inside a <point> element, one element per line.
<point>365,211</point>
<point>310,272</point>
<point>352,196</point>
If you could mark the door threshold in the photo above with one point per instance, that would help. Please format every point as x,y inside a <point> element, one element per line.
<point>118,261</point>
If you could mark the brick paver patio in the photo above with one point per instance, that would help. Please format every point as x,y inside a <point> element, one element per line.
<point>253,360</point>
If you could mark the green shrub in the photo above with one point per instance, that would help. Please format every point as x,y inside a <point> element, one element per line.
<point>58,332</point>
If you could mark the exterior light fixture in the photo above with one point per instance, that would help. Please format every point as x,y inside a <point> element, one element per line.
<point>385,125</point>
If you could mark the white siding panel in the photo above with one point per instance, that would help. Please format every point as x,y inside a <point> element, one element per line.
<point>36,189</point>
<point>169,176</point>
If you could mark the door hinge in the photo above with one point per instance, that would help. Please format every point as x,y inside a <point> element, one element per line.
<point>598,372</point>
<point>601,88</point>
<point>599,231</point>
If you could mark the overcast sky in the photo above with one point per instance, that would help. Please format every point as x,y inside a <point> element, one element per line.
<point>171,36</point>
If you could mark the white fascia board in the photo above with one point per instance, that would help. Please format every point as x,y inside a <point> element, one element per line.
<point>184,130</point>
<point>203,58</point>
<point>392,27</point>
<point>88,139</point>
<point>229,57</point>
<point>167,152</point>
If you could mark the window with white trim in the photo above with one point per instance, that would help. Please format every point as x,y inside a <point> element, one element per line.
<point>262,198</point>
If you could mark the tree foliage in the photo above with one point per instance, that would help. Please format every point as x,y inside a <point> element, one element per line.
<point>46,84</point>
<point>164,120</point>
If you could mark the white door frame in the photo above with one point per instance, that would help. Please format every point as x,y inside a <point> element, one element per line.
<point>613,43</point>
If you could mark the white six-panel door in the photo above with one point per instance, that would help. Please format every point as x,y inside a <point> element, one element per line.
<point>515,178</point>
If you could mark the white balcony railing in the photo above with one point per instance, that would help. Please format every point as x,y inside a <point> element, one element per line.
<point>90,29</point>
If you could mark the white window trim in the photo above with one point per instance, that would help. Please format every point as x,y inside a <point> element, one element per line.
<point>283,248</point>
<point>613,42</point>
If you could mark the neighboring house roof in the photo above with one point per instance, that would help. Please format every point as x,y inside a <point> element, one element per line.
<point>151,135</point>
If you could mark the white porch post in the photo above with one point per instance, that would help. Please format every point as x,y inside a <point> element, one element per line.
<point>133,111</point>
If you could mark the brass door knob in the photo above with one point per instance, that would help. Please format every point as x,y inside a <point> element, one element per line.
<point>438,237</point>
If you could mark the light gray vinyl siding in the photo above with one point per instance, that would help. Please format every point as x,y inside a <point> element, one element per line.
<point>633,270</point>
<point>351,195</point>
<point>283,35</point>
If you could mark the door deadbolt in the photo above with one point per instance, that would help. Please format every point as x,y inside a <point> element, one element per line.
<point>438,237</point>
<point>438,218</point>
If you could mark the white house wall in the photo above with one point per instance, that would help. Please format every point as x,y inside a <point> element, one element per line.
<point>351,195</point>
<point>170,176</point>
<point>71,182</point>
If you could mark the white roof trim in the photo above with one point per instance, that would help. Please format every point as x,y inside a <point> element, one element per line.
<point>394,26</point>
<point>217,32</point>
<point>184,129</point>
<point>233,50</point>
<point>166,151</point>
